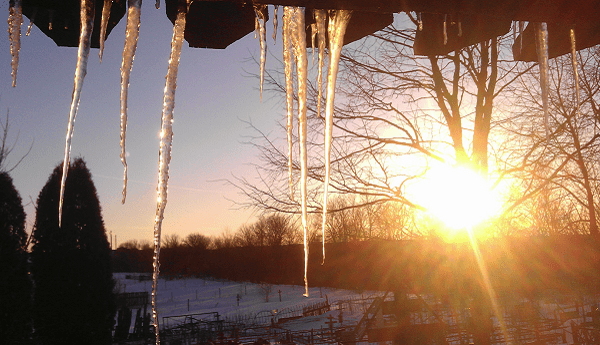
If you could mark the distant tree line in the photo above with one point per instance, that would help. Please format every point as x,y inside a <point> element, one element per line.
<point>61,292</point>
<point>349,220</point>
<point>517,266</point>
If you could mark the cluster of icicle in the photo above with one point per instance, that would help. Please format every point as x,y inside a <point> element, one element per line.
<point>294,51</point>
<point>294,45</point>
<point>86,24</point>
<point>541,44</point>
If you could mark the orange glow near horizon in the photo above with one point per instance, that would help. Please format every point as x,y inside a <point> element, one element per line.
<point>457,196</point>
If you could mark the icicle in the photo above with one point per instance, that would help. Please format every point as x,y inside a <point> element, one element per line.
<point>255,26</point>
<point>275,24</point>
<point>297,29</point>
<point>313,35</point>
<point>103,25</point>
<point>320,18</point>
<point>262,33</point>
<point>419,21</point>
<point>521,28</point>
<point>574,63</point>
<point>541,37</point>
<point>514,27</point>
<point>86,15</point>
<point>164,158</point>
<point>132,32</point>
<point>337,28</point>
<point>289,90</point>
<point>31,20</point>
<point>15,20</point>
<point>445,29</point>
<point>50,19</point>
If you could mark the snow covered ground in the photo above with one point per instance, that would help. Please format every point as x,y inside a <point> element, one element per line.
<point>242,302</point>
<point>195,296</point>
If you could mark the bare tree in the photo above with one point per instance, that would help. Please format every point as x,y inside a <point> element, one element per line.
<point>130,244</point>
<point>556,166</point>
<point>396,112</point>
<point>172,241</point>
<point>271,230</point>
<point>197,241</point>
<point>225,240</point>
<point>6,147</point>
<point>145,245</point>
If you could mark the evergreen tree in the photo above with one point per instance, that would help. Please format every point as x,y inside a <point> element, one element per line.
<point>15,285</point>
<point>73,297</point>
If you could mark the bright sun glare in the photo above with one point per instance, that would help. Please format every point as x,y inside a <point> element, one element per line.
<point>457,196</point>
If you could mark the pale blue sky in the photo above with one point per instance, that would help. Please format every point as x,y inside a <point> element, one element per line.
<point>213,96</point>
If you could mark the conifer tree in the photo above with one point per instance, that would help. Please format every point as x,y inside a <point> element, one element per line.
<point>15,285</point>
<point>73,297</point>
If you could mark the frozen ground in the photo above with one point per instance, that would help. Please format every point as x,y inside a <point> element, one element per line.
<point>209,296</point>
<point>196,296</point>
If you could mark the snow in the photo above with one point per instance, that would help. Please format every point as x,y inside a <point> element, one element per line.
<point>209,296</point>
<point>213,296</point>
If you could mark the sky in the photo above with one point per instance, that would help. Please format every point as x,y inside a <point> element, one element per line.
<point>215,98</point>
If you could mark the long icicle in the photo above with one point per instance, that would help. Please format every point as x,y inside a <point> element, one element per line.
<point>262,36</point>
<point>87,24</point>
<point>132,32</point>
<point>275,23</point>
<point>541,37</point>
<point>313,36</point>
<point>321,18</point>
<point>15,20</point>
<point>297,28</point>
<point>521,29</point>
<point>289,92</point>
<point>337,28</point>
<point>574,63</point>
<point>103,25</point>
<point>166,140</point>
<point>31,21</point>
<point>445,29</point>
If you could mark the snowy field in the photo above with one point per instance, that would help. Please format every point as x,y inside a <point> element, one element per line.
<point>246,303</point>
<point>210,296</point>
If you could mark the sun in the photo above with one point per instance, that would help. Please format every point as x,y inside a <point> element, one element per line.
<point>457,196</point>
